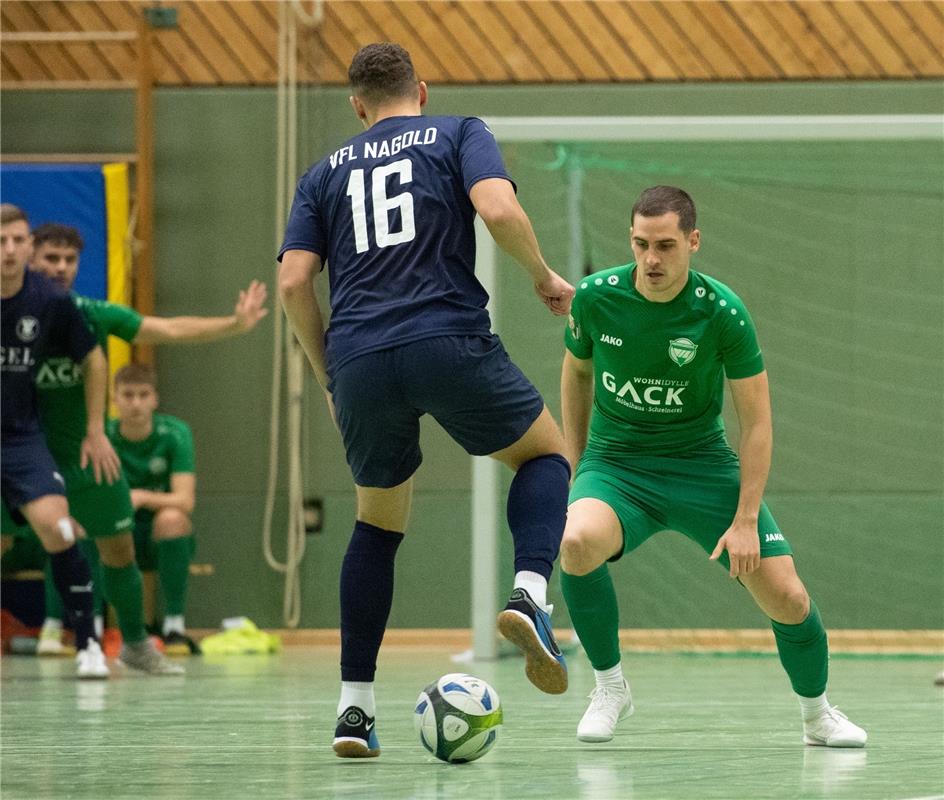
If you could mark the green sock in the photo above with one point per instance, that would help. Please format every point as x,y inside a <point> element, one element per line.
<point>173,567</point>
<point>124,592</point>
<point>591,600</point>
<point>804,653</point>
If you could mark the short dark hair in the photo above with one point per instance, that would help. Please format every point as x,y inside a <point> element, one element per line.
<point>382,71</point>
<point>56,233</point>
<point>11,213</point>
<point>136,373</point>
<point>658,200</point>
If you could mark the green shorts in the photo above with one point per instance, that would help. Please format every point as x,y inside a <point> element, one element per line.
<point>102,509</point>
<point>695,497</point>
<point>145,548</point>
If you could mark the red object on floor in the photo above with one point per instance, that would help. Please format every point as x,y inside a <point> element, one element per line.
<point>10,626</point>
<point>111,643</point>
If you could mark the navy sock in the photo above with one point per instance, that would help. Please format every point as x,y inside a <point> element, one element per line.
<point>366,597</point>
<point>537,510</point>
<point>73,579</point>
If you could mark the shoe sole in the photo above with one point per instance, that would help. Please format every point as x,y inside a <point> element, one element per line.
<point>95,677</point>
<point>353,748</point>
<point>542,669</point>
<point>626,712</point>
<point>63,651</point>
<point>146,671</point>
<point>807,740</point>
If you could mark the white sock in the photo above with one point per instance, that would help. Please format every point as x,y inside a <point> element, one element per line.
<point>812,707</point>
<point>611,678</point>
<point>357,693</point>
<point>535,585</point>
<point>99,623</point>
<point>174,624</point>
<point>52,626</point>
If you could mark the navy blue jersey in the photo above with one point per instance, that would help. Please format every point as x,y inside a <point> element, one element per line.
<point>389,212</point>
<point>38,320</point>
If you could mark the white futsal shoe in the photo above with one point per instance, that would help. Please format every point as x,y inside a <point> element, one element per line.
<point>145,657</point>
<point>90,662</point>
<point>832,728</point>
<point>608,705</point>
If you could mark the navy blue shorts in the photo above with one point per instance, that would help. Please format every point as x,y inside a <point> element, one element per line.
<point>468,384</point>
<point>27,471</point>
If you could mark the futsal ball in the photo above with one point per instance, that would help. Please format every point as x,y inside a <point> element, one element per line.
<point>457,718</point>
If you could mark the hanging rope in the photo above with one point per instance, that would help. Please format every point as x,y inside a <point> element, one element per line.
<point>285,347</point>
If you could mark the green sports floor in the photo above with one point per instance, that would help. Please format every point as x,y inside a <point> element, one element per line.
<point>261,726</point>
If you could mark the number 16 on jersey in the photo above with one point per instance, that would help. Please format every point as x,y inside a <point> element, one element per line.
<point>382,205</point>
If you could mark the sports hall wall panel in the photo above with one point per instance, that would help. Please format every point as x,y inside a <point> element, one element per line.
<point>841,274</point>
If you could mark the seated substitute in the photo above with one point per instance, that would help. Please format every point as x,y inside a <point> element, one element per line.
<point>156,452</point>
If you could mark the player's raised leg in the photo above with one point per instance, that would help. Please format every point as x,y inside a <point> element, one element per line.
<point>593,535</point>
<point>537,508</point>
<point>804,650</point>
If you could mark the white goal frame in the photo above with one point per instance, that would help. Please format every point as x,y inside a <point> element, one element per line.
<point>486,501</point>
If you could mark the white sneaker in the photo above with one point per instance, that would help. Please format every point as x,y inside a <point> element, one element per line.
<point>607,707</point>
<point>90,662</point>
<point>832,728</point>
<point>50,641</point>
<point>144,656</point>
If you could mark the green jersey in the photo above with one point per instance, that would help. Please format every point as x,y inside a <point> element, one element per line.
<point>149,463</point>
<point>59,380</point>
<point>659,368</point>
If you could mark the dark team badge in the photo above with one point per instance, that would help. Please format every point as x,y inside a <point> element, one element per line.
<point>27,328</point>
<point>682,351</point>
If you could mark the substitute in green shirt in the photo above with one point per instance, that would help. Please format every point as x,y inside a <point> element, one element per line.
<point>157,456</point>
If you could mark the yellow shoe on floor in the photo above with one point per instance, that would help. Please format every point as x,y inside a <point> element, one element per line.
<point>50,643</point>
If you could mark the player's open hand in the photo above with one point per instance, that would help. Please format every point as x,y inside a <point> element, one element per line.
<point>743,546</point>
<point>555,293</point>
<point>97,451</point>
<point>250,307</point>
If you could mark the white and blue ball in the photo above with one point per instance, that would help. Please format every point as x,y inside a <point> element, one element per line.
<point>458,717</point>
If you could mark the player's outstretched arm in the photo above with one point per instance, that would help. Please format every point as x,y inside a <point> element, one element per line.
<point>752,403</point>
<point>576,404</point>
<point>297,292</point>
<point>96,449</point>
<point>494,200</point>
<point>250,308</point>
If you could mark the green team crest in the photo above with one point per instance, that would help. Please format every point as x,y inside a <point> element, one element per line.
<point>157,465</point>
<point>682,351</point>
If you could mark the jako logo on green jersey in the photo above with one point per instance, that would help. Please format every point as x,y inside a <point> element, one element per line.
<point>58,373</point>
<point>682,351</point>
<point>614,340</point>
<point>656,393</point>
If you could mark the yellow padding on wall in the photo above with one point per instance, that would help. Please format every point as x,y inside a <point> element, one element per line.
<point>119,257</point>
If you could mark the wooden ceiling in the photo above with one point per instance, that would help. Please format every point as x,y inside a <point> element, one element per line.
<point>493,41</point>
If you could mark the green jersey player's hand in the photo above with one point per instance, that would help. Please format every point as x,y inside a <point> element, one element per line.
<point>250,308</point>
<point>743,546</point>
<point>97,451</point>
